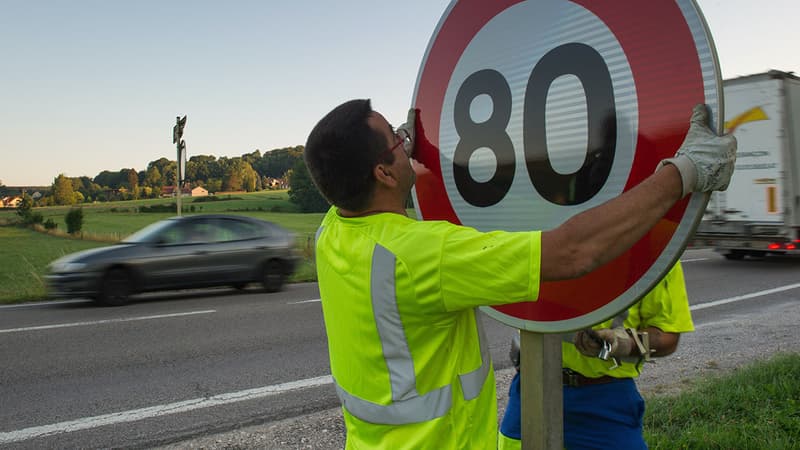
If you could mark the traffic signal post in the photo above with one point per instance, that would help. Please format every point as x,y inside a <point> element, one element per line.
<point>177,135</point>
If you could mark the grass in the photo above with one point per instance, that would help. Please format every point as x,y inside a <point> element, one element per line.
<point>756,407</point>
<point>24,255</point>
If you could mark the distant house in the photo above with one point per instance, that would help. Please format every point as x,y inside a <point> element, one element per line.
<point>169,191</point>
<point>199,191</point>
<point>11,202</point>
<point>276,183</point>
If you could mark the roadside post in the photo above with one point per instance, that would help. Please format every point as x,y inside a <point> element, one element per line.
<point>530,112</point>
<point>177,139</point>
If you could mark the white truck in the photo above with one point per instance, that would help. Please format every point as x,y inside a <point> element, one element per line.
<point>759,214</point>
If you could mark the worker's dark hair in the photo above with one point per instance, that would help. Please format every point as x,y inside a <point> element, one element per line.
<point>341,152</point>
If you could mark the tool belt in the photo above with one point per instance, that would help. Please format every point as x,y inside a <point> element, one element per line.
<point>574,379</point>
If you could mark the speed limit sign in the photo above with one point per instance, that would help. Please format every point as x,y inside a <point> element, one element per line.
<point>533,111</point>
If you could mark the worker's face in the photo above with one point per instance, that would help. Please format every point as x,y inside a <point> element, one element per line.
<point>394,144</point>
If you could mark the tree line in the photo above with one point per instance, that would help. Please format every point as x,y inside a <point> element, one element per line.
<point>250,172</point>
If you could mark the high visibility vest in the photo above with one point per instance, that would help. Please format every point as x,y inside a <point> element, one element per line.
<point>408,356</point>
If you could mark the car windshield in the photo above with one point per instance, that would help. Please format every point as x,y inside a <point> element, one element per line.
<point>149,233</point>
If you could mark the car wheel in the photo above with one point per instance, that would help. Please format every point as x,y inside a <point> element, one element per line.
<point>115,288</point>
<point>273,276</point>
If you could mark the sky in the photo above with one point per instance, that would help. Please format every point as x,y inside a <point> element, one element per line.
<point>93,85</point>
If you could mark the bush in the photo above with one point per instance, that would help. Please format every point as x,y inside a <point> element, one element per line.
<point>162,208</point>
<point>34,219</point>
<point>74,220</point>
<point>50,225</point>
<point>211,198</point>
<point>24,209</point>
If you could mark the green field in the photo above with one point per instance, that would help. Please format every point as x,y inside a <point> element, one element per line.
<point>25,253</point>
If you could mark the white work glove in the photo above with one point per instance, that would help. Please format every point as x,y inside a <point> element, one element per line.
<point>588,342</point>
<point>704,160</point>
<point>408,128</point>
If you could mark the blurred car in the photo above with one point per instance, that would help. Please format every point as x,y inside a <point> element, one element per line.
<point>185,252</point>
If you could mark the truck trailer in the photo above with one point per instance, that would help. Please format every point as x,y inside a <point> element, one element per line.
<point>759,213</point>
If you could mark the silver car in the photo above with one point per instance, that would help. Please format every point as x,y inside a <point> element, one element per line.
<point>179,253</point>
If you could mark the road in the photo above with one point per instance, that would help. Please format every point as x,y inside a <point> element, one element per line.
<point>170,368</point>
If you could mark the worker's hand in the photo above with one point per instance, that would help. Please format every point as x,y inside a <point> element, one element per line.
<point>589,342</point>
<point>409,128</point>
<point>704,160</point>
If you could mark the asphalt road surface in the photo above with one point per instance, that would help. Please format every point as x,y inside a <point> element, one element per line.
<point>221,369</point>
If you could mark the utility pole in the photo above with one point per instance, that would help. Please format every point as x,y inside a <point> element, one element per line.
<point>177,135</point>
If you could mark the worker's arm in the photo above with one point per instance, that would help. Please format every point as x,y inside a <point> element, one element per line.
<point>598,235</point>
<point>662,343</point>
<point>622,343</point>
<point>703,163</point>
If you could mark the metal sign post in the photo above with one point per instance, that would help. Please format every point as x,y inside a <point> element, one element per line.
<point>541,391</point>
<point>531,112</point>
<point>177,135</point>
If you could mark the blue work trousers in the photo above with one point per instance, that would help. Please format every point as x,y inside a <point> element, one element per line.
<point>597,416</point>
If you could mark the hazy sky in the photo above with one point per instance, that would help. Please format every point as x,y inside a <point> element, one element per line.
<point>87,86</point>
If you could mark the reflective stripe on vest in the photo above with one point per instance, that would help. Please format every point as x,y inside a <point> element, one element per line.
<point>407,405</point>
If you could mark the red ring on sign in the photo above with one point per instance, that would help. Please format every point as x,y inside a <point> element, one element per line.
<point>669,81</point>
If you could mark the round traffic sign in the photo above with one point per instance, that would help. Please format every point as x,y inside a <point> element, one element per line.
<point>531,112</point>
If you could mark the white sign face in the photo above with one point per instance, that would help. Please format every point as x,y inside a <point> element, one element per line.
<point>566,107</point>
<point>533,111</point>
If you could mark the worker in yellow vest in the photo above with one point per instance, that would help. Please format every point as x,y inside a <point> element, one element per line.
<point>649,328</point>
<point>407,352</point>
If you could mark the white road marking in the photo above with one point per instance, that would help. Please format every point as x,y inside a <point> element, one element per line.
<point>693,260</point>
<point>744,297</point>
<point>160,410</point>
<point>40,304</point>
<point>100,322</point>
<point>305,301</point>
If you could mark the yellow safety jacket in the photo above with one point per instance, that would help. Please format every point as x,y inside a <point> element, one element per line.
<point>408,355</point>
<point>665,307</point>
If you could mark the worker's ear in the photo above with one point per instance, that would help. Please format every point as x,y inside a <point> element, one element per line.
<point>384,175</point>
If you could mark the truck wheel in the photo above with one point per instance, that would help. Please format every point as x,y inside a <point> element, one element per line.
<point>734,255</point>
<point>115,288</point>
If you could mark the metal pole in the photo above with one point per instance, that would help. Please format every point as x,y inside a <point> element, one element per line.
<point>541,390</point>
<point>178,194</point>
<point>177,135</point>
